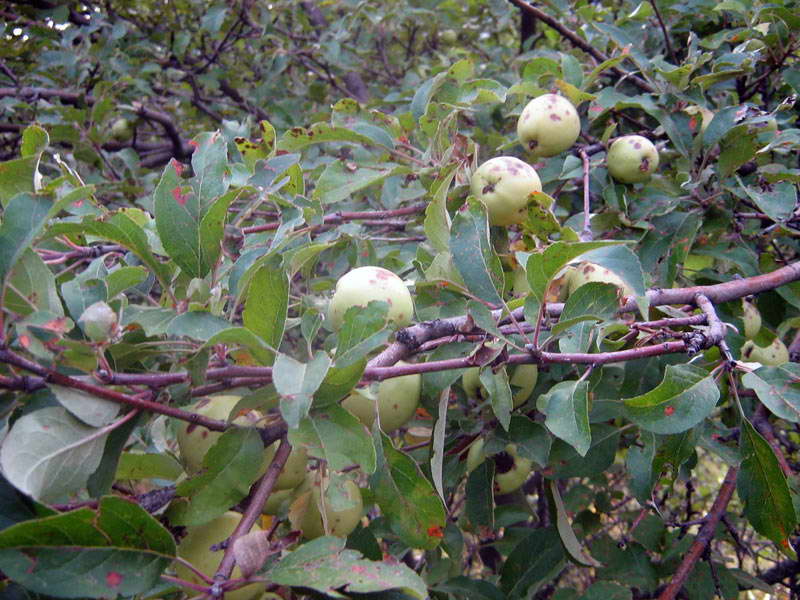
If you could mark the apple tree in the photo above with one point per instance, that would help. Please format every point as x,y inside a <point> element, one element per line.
<point>477,299</point>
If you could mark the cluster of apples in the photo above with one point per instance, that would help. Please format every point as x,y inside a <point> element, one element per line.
<point>547,126</point>
<point>298,491</point>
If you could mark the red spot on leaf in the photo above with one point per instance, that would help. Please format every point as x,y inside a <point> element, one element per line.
<point>693,123</point>
<point>669,410</point>
<point>24,341</point>
<point>435,531</point>
<point>422,413</point>
<point>177,166</point>
<point>179,197</point>
<point>113,579</point>
<point>77,203</point>
<point>193,144</point>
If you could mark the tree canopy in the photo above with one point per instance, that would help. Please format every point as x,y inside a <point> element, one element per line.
<point>597,394</point>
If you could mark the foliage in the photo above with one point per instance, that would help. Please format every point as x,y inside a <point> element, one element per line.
<point>183,183</point>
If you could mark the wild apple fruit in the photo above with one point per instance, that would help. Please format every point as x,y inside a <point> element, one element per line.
<point>510,469</point>
<point>588,272</point>
<point>305,515</point>
<point>194,441</point>
<point>751,318</point>
<point>196,549</point>
<point>548,125</point>
<point>773,355</point>
<point>121,130</point>
<point>398,399</point>
<point>361,286</point>
<point>504,184</point>
<point>632,159</point>
<point>99,322</point>
<point>522,381</point>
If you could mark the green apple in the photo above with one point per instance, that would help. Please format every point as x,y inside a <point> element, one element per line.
<point>751,318</point>
<point>294,471</point>
<point>99,322</point>
<point>773,355</point>
<point>361,286</point>
<point>305,512</point>
<point>548,125</point>
<point>504,184</point>
<point>196,549</point>
<point>121,130</point>
<point>510,470</point>
<point>588,272</point>
<point>523,380</point>
<point>194,441</point>
<point>448,37</point>
<point>398,399</point>
<point>632,159</point>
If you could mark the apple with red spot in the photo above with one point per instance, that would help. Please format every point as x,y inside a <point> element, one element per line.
<point>632,159</point>
<point>548,125</point>
<point>363,285</point>
<point>505,184</point>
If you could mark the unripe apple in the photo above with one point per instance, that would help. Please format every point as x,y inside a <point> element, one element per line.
<point>510,469</point>
<point>276,501</point>
<point>773,355</point>
<point>196,549</point>
<point>751,318</point>
<point>448,36</point>
<point>361,286</point>
<point>294,471</point>
<point>548,125</point>
<point>99,322</point>
<point>122,130</point>
<point>632,159</point>
<point>504,184</point>
<point>523,379</point>
<point>588,272</point>
<point>194,441</point>
<point>398,399</point>
<point>304,513</point>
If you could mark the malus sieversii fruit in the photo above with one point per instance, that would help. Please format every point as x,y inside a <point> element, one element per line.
<point>504,184</point>
<point>361,286</point>
<point>548,125</point>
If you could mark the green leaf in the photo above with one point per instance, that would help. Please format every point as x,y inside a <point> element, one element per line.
<point>118,549</point>
<point>123,230</point>
<point>196,324</point>
<point>267,303</point>
<point>231,465</point>
<point>763,489</point>
<point>778,388</point>
<point>296,383</point>
<point>594,301</point>
<point>363,330</point>
<point>606,590</point>
<point>23,220</point>
<point>298,138</point>
<point>499,392</point>
<point>32,287</point>
<point>341,179</point>
<point>685,396</point>
<point>437,219</point>
<point>326,566</point>
<point>565,462</point>
<point>623,262</point>
<point>567,408</point>
<point>135,465</point>
<point>407,499</point>
<point>533,561</point>
<point>123,279</point>
<point>245,338</point>
<point>336,436</point>
<point>777,202</point>
<point>89,409</point>
<point>564,527</point>
<point>473,254</point>
<point>479,493</point>
<point>210,166</point>
<point>49,454</point>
